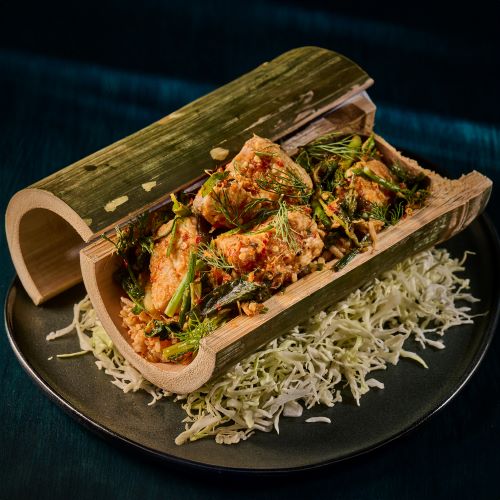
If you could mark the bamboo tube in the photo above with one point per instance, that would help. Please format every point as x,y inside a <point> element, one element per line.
<point>295,98</point>
<point>87,198</point>
<point>453,204</point>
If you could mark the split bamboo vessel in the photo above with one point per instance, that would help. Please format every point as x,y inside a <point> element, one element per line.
<point>54,226</point>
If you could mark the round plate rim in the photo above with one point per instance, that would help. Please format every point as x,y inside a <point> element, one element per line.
<point>107,433</point>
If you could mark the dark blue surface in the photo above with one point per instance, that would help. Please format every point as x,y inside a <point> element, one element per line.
<point>72,83</point>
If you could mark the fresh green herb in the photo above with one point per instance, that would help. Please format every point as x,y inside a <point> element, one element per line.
<point>129,236</point>
<point>133,289</point>
<point>225,207</point>
<point>147,244</point>
<point>386,214</point>
<point>227,294</point>
<point>127,239</point>
<point>325,174</point>
<point>172,232</point>
<point>319,214</point>
<point>341,263</point>
<point>346,148</point>
<point>189,340</point>
<point>342,220</point>
<point>379,212</point>
<point>350,203</point>
<point>389,185</point>
<point>176,300</point>
<point>413,195</point>
<point>180,210</point>
<point>281,225</point>
<point>265,153</point>
<point>212,181</point>
<point>235,215</point>
<point>213,257</point>
<point>368,148</point>
<point>404,175</point>
<point>161,329</point>
<point>195,290</point>
<point>396,213</point>
<point>185,304</point>
<point>285,182</point>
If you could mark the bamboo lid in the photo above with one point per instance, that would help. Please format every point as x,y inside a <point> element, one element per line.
<point>48,222</point>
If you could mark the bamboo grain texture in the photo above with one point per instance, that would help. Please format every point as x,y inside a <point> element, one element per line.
<point>138,172</point>
<point>452,205</point>
<point>273,100</point>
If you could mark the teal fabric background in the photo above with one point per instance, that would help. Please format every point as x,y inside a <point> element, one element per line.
<point>75,78</point>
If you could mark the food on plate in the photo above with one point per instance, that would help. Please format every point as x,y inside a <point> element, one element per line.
<point>339,352</point>
<point>257,224</point>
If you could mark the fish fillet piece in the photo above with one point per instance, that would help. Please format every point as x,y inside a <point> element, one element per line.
<point>267,256</point>
<point>167,272</point>
<point>256,177</point>
<point>369,192</point>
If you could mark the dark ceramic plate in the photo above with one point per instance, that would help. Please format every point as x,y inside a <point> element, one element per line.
<point>412,393</point>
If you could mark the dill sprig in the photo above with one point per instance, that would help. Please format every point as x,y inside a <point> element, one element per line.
<point>213,257</point>
<point>235,214</point>
<point>396,213</point>
<point>134,290</point>
<point>386,214</point>
<point>281,225</point>
<point>189,340</point>
<point>284,182</point>
<point>128,238</point>
<point>378,211</point>
<point>341,147</point>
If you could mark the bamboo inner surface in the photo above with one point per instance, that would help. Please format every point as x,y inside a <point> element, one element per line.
<point>135,174</point>
<point>451,207</point>
<point>44,237</point>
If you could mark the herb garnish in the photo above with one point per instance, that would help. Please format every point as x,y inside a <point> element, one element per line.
<point>213,257</point>
<point>284,182</point>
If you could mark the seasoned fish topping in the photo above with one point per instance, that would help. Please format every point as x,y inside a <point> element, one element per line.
<point>369,192</point>
<point>257,176</point>
<point>166,272</point>
<point>256,225</point>
<point>267,255</point>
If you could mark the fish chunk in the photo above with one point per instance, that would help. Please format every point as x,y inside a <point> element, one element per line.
<point>368,192</point>
<point>257,177</point>
<point>167,272</point>
<point>267,256</point>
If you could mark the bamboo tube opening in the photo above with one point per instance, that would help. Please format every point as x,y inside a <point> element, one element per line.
<point>40,233</point>
<point>98,263</point>
<point>45,237</point>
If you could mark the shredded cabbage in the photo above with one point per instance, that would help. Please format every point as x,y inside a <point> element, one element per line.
<point>93,338</point>
<point>309,365</point>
